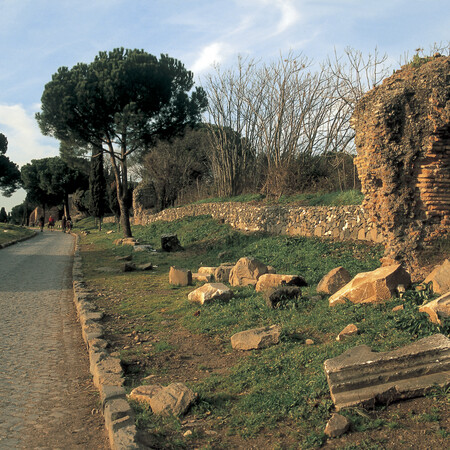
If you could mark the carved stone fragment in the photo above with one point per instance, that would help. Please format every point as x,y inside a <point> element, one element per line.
<point>362,377</point>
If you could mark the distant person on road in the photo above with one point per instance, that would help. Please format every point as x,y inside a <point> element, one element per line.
<point>51,223</point>
<point>63,223</point>
<point>41,223</point>
<point>69,224</point>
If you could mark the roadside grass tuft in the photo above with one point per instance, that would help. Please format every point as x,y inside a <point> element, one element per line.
<point>9,232</point>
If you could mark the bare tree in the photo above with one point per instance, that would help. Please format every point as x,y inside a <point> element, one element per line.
<point>286,113</point>
<point>232,130</point>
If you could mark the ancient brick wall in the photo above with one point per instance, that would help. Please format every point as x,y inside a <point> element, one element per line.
<point>38,212</point>
<point>341,223</point>
<point>403,145</point>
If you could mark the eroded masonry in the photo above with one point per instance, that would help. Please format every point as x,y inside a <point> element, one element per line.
<point>403,145</point>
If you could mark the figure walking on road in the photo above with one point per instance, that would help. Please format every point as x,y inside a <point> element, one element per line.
<point>41,223</point>
<point>51,223</point>
<point>69,224</point>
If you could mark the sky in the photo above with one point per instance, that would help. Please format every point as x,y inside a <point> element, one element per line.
<point>39,36</point>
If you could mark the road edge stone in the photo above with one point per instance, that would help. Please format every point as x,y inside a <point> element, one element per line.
<point>106,370</point>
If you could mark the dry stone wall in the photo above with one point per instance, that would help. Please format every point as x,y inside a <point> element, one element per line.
<point>340,223</point>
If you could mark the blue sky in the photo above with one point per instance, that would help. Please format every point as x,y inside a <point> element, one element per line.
<point>39,36</point>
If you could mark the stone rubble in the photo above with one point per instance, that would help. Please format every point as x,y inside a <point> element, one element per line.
<point>372,287</point>
<point>348,331</point>
<point>438,309</point>
<point>209,292</point>
<point>337,426</point>
<point>440,278</point>
<point>170,243</point>
<point>246,272</point>
<point>333,281</point>
<point>256,338</point>
<point>270,280</point>
<point>176,398</point>
<point>361,377</point>
<point>180,277</point>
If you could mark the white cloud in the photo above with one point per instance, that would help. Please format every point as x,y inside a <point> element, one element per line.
<point>209,55</point>
<point>25,141</point>
<point>289,15</point>
<point>254,23</point>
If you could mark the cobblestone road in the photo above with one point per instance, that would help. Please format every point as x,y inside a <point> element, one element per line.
<point>47,399</point>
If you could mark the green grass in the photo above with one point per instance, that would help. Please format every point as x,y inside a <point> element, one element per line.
<point>266,389</point>
<point>10,232</point>
<point>338,198</point>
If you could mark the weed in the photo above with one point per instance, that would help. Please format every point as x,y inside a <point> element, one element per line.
<point>314,440</point>
<point>443,433</point>
<point>418,324</point>
<point>432,416</point>
<point>361,420</point>
<point>162,346</point>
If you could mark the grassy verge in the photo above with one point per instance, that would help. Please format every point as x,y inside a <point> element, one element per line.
<point>273,398</point>
<point>339,198</point>
<point>10,233</point>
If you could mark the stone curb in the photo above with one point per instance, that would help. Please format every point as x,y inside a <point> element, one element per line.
<point>7,244</point>
<point>105,369</point>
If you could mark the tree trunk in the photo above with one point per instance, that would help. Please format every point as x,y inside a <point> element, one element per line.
<point>124,217</point>
<point>122,192</point>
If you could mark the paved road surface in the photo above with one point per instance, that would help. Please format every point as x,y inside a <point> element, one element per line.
<point>46,395</point>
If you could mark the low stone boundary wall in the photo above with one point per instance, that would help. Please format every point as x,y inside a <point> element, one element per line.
<point>338,222</point>
<point>105,369</point>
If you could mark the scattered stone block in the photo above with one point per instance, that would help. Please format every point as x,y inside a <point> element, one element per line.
<point>129,241</point>
<point>124,258</point>
<point>333,281</point>
<point>337,426</point>
<point>271,280</point>
<point>372,287</point>
<point>129,267</point>
<point>277,297</point>
<point>209,292</point>
<point>202,277</point>
<point>174,399</point>
<point>110,232</point>
<point>256,338</point>
<point>125,241</point>
<point>246,272</point>
<point>180,277</point>
<point>222,273</point>
<point>143,248</point>
<point>170,243</point>
<point>438,309</point>
<point>309,342</point>
<point>362,377</point>
<point>440,278</point>
<point>207,270</point>
<point>146,266</point>
<point>398,308</point>
<point>349,330</point>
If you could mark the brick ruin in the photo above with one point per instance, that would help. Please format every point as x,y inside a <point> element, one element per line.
<point>403,158</point>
